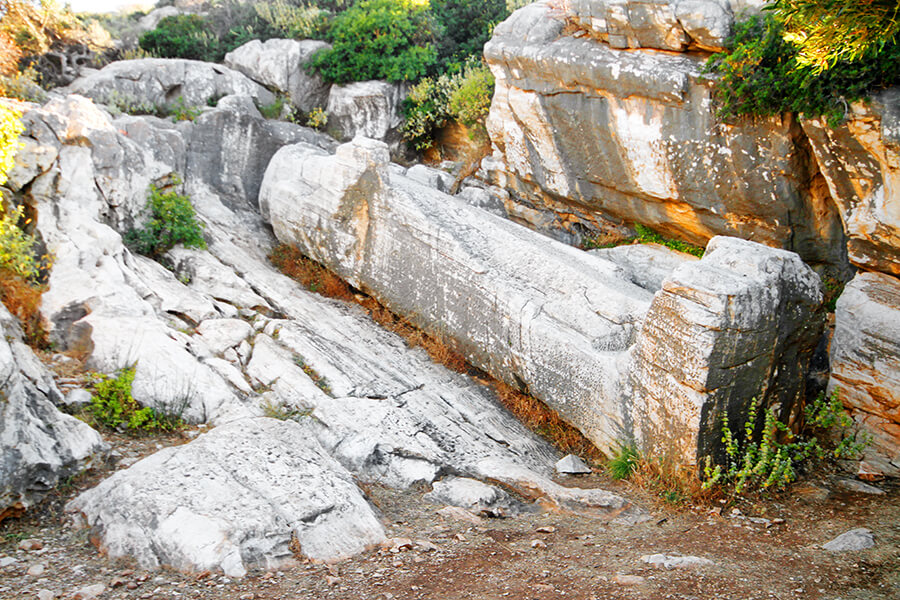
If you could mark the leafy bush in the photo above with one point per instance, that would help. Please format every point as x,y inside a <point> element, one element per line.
<point>297,22</point>
<point>828,31</point>
<point>645,235</point>
<point>470,100</point>
<point>772,463</point>
<point>172,221</point>
<point>465,27</point>
<point>760,74</point>
<point>113,406</point>
<point>182,36</point>
<point>379,39</point>
<point>464,96</point>
<point>180,111</point>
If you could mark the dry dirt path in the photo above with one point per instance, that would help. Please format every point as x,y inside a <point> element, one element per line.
<point>533,556</point>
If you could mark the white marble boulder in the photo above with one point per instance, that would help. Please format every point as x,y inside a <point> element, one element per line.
<point>280,65</point>
<point>565,325</point>
<point>245,495</point>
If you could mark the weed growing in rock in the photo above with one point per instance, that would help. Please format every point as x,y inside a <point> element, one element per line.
<point>180,111</point>
<point>320,381</point>
<point>172,221</point>
<point>774,460</point>
<point>283,412</point>
<point>624,462</point>
<point>317,118</point>
<point>113,406</point>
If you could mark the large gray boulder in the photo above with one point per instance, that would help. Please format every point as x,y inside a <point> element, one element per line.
<point>367,108</point>
<point>160,82</point>
<point>567,326</point>
<point>280,65</point>
<point>604,136</point>
<point>229,151</point>
<point>39,445</point>
<point>244,495</point>
<point>865,365</point>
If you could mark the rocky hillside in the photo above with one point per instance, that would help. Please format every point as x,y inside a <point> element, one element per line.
<point>601,120</point>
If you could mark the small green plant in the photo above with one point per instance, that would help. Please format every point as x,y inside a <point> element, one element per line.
<point>172,221</point>
<point>113,406</point>
<point>624,461</point>
<point>273,110</point>
<point>283,412</point>
<point>294,22</point>
<point>119,103</point>
<point>773,460</point>
<point>180,111</point>
<point>17,247</point>
<point>318,379</point>
<point>317,118</point>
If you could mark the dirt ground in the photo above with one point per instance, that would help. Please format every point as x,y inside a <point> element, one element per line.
<point>542,556</point>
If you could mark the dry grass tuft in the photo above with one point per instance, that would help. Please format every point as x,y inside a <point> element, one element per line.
<point>544,421</point>
<point>533,413</point>
<point>23,300</point>
<point>309,273</point>
<point>671,482</point>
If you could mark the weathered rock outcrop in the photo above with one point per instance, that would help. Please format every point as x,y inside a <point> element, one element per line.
<point>246,494</point>
<point>160,82</point>
<point>604,136</point>
<point>39,446</point>
<point>860,161</point>
<point>280,66</point>
<point>567,326</point>
<point>865,363</point>
<point>227,338</point>
<point>366,108</point>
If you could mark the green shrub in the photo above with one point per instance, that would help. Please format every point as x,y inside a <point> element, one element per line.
<point>645,235</point>
<point>182,36</point>
<point>273,110</point>
<point>379,39</point>
<point>17,248</point>
<point>464,96</point>
<point>113,406</point>
<point>760,75</point>
<point>465,26</point>
<point>172,221</point>
<point>772,463</point>
<point>294,22</point>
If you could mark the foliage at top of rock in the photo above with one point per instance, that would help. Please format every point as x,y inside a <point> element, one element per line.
<point>828,32</point>
<point>764,72</point>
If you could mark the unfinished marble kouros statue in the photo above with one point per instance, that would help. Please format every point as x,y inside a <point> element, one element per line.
<point>648,346</point>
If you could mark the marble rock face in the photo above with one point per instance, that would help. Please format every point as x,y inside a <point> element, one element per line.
<point>613,352</point>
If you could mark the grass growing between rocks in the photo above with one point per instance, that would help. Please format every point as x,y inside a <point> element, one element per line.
<point>644,235</point>
<point>533,413</point>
